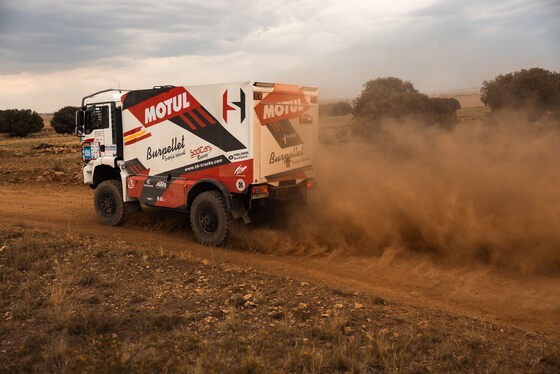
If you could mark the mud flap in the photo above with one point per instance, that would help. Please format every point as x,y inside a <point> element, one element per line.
<point>238,211</point>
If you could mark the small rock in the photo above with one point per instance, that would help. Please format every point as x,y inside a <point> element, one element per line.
<point>205,262</point>
<point>236,299</point>
<point>299,293</point>
<point>223,310</point>
<point>302,305</point>
<point>304,284</point>
<point>247,296</point>
<point>249,304</point>
<point>358,306</point>
<point>347,330</point>
<point>338,306</point>
<point>325,315</point>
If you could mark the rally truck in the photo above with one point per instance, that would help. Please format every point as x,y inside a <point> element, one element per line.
<point>212,151</point>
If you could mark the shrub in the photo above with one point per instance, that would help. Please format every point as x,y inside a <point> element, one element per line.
<point>2,123</point>
<point>340,109</point>
<point>63,120</point>
<point>20,122</point>
<point>451,102</point>
<point>391,98</point>
<point>535,90</point>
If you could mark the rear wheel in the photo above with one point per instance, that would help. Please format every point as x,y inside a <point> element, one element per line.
<point>210,219</point>
<point>108,202</point>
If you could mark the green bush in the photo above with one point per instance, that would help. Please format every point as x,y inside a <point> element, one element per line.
<point>20,122</point>
<point>393,99</point>
<point>536,91</point>
<point>63,120</point>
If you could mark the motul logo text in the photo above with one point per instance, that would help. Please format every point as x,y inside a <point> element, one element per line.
<point>283,108</point>
<point>166,108</point>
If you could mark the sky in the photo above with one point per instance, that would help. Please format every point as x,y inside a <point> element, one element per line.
<point>52,53</point>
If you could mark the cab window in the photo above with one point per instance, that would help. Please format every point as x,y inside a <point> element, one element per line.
<point>100,117</point>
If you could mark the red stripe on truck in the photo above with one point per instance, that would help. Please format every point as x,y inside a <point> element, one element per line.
<point>138,139</point>
<point>133,131</point>
<point>184,118</point>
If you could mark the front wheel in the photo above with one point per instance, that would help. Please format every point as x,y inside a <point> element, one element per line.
<point>108,202</point>
<point>210,220</point>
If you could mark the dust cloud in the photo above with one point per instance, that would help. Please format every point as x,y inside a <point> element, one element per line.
<point>478,194</point>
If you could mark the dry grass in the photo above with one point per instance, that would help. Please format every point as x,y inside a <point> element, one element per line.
<point>23,159</point>
<point>74,304</point>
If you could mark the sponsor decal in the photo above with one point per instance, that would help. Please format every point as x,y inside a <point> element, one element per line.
<point>161,184</point>
<point>134,166</point>
<point>166,153</point>
<point>131,183</point>
<point>201,152</point>
<point>163,106</point>
<point>276,109</point>
<point>87,153</point>
<point>135,135</point>
<point>240,185</point>
<point>240,170</point>
<point>284,102</point>
<point>240,104</point>
<point>306,118</point>
<point>205,164</point>
<point>282,110</point>
<point>293,157</point>
<point>177,105</point>
<point>238,156</point>
<point>166,108</point>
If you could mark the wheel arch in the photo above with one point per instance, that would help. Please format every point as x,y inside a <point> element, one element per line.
<point>204,185</point>
<point>104,172</point>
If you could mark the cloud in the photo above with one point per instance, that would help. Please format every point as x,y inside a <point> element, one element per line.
<point>335,45</point>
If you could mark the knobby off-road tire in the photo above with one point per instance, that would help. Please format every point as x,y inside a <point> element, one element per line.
<point>108,202</point>
<point>210,219</point>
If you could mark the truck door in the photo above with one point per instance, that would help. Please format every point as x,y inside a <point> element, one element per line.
<point>100,131</point>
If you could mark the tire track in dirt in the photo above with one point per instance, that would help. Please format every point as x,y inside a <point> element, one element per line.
<point>531,303</point>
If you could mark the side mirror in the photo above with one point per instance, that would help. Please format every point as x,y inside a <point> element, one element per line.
<point>79,122</point>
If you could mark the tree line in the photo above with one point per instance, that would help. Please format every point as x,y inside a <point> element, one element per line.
<point>535,91</point>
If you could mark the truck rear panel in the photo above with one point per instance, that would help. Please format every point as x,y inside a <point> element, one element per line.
<point>286,121</point>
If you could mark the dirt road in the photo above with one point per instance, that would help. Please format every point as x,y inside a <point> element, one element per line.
<point>531,303</point>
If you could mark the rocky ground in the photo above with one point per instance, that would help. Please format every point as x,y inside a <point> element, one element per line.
<point>80,304</point>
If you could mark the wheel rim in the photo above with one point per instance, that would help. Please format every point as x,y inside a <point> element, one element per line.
<point>108,204</point>
<point>208,220</point>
